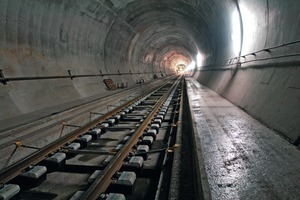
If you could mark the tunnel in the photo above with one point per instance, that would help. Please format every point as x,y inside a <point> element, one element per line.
<point>58,54</point>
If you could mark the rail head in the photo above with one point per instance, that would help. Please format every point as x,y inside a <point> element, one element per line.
<point>102,182</point>
<point>14,170</point>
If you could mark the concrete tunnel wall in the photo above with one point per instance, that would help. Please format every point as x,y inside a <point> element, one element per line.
<point>267,88</point>
<point>48,38</point>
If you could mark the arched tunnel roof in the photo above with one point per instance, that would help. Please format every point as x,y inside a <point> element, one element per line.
<point>131,41</point>
<point>61,37</point>
<point>117,34</point>
<point>156,28</point>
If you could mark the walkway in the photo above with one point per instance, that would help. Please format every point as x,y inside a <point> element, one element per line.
<point>243,159</point>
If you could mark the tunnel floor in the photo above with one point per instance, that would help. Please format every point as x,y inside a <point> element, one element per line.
<point>243,158</point>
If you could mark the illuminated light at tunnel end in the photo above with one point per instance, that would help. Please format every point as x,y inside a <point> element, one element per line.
<point>194,64</point>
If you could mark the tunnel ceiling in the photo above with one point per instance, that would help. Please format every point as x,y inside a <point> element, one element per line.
<point>116,35</point>
<point>62,37</point>
<point>197,25</point>
<point>162,26</point>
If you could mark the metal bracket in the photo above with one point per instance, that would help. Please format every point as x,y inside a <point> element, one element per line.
<point>19,144</point>
<point>3,81</point>
<point>111,106</point>
<point>69,71</point>
<point>234,70</point>
<point>71,125</point>
<point>101,73</point>
<point>94,113</point>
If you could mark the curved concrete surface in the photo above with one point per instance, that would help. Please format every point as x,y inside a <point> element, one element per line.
<point>48,38</point>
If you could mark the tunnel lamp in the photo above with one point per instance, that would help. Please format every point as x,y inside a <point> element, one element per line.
<point>191,66</point>
<point>199,59</point>
<point>250,24</point>
<point>236,32</point>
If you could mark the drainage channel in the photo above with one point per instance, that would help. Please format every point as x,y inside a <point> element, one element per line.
<point>126,156</point>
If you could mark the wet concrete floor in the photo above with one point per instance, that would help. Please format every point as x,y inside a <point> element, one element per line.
<point>243,159</point>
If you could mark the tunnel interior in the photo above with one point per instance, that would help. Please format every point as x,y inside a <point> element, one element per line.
<point>245,50</point>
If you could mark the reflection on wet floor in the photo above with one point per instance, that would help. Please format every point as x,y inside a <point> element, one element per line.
<point>243,158</point>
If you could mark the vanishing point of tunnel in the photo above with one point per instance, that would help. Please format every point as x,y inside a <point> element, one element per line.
<point>240,61</point>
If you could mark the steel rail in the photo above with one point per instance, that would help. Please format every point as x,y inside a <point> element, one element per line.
<point>12,171</point>
<point>102,182</point>
<point>176,123</point>
<point>174,186</point>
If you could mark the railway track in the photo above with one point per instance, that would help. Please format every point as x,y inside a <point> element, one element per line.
<point>47,129</point>
<point>122,154</point>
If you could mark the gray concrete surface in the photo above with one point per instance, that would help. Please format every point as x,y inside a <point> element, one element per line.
<point>243,159</point>
<point>267,84</point>
<point>48,38</point>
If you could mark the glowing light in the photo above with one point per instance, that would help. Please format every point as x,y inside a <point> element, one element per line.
<point>180,68</point>
<point>249,28</point>
<point>191,66</point>
<point>199,59</point>
<point>236,32</point>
